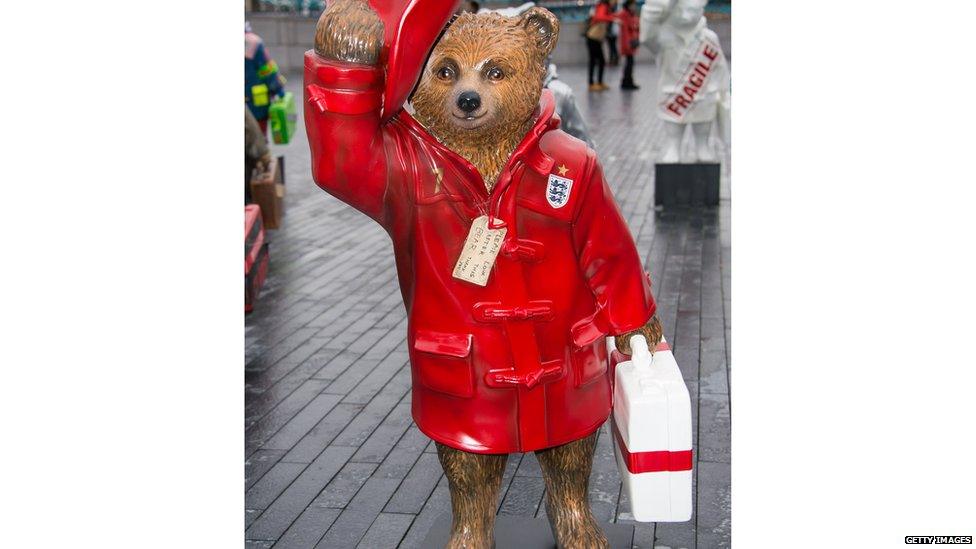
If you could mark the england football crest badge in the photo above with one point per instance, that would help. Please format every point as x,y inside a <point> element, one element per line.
<point>557,192</point>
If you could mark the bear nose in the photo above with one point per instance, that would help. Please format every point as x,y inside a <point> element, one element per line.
<point>469,101</point>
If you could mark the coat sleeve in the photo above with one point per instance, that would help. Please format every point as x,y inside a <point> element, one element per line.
<point>342,119</point>
<point>602,14</point>
<point>609,260</point>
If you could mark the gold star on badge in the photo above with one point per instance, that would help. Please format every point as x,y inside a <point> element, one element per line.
<point>563,170</point>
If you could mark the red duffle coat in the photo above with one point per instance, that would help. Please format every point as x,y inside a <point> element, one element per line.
<point>521,363</point>
<point>629,31</point>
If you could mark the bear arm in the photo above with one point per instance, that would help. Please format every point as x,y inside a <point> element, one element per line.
<point>608,257</point>
<point>345,134</point>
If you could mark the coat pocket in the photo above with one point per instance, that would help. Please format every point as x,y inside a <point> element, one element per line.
<point>443,362</point>
<point>589,364</point>
<point>588,358</point>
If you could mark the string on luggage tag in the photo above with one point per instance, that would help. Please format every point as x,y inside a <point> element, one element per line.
<point>494,219</point>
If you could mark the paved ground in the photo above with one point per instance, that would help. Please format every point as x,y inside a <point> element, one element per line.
<point>333,458</point>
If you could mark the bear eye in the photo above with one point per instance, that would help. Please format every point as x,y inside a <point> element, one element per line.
<point>496,74</point>
<point>445,73</point>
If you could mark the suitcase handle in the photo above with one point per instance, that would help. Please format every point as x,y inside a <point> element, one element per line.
<point>640,354</point>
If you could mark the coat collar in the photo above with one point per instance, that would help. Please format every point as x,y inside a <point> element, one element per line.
<point>528,151</point>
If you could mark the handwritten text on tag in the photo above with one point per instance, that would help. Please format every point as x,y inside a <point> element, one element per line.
<point>479,252</point>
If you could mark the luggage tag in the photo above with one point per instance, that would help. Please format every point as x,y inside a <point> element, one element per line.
<point>479,252</point>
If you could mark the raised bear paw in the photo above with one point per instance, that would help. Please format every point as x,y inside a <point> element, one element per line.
<point>349,31</point>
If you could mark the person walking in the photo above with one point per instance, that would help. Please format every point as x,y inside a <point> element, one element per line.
<point>629,40</point>
<point>262,81</point>
<point>256,153</point>
<point>596,34</point>
<point>614,58</point>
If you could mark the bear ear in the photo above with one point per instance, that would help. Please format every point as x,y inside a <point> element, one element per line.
<point>543,27</point>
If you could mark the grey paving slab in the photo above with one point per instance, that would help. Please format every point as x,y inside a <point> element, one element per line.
<point>437,504</point>
<point>258,464</point>
<point>272,485</point>
<point>386,531</point>
<point>529,466</point>
<point>296,428</point>
<point>344,486</point>
<point>385,436</point>
<point>714,504</point>
<point>417,486</point>
<point>293,501</point>
<point>511,467</point>
<point>333,458</point>
<point>250,515</point>
<point>319,437</point>
<point>714,428</point>
<point>353,523</point>
<point>399,462</point>
<point>524,496</point>
<point>309,527</point>
<point>265,427</point>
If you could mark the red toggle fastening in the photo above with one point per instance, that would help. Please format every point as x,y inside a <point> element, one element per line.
<point>530,380</point>
<point>342,101</point>
<point>493,311</point>
<point>527,250</point>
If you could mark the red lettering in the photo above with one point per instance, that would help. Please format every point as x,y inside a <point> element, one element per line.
<point>674,108</point>
<point>681,101</point>
<point>698,83</point>
<point>704,67</point>
<point>710,53</point>
<point>690,92</point>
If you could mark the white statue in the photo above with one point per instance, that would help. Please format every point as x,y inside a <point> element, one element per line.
<point>693,88</point>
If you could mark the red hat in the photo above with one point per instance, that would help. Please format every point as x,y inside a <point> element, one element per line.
<point>410,28</point>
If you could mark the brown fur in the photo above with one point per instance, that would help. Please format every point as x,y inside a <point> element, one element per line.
<point>653,332</point>
<point>474,480</point>
<point>472,46</point>
<point>566,471</point>
<point>349,30</point>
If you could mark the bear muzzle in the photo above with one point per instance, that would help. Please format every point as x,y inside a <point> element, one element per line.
<point>469,102</point>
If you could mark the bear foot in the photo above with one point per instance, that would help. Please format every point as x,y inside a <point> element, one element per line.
<point>471,537</point>
<point>576,529</point>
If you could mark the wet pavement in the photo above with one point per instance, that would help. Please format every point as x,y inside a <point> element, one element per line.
<point>332,456</point>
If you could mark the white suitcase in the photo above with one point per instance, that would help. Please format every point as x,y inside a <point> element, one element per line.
<point>652,432</point>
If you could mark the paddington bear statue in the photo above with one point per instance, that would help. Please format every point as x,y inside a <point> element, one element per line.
<point>513,259</point>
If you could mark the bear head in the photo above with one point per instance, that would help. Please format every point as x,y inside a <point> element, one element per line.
<point>483,80</point>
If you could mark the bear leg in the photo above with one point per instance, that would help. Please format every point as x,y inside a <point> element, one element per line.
<point>474,480</point>
<point>566,471</point>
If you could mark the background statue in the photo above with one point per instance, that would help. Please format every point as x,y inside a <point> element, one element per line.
<point>693,88</point>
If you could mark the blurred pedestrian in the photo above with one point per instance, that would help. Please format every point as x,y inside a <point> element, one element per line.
<point>262,81</point>
<point>614,58</point>
<point>596,34</point>
<point>629,40</point>
<point>257,157</point>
